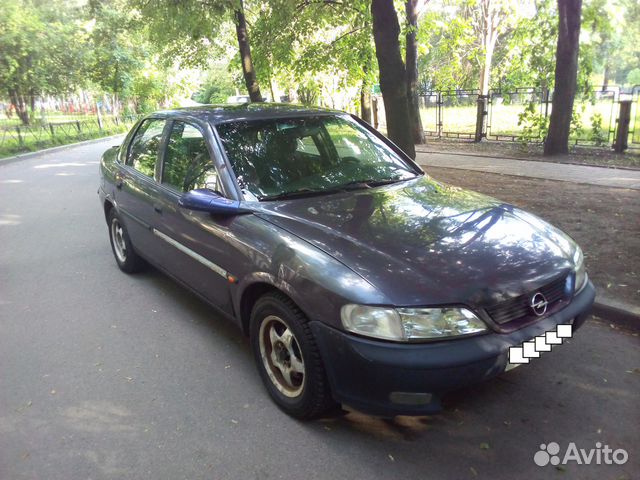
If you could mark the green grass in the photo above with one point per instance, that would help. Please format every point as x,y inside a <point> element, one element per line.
<point>36,138</point>
<point>52,117</point>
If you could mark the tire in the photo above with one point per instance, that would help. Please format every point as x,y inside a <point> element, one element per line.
<point>127,259</point>
<point>288,359</point>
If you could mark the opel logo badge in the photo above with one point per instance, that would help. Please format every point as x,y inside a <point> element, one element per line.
<point>539,304</point>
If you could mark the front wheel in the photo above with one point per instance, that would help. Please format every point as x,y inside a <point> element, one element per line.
<point>287,357</point>
<point>126,258</point>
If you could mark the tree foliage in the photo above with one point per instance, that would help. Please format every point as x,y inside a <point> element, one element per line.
<point>217,87</point>
<point>528,56</point>
<point>146,53</point>
<point>296,42</point>
<point>118,51</point>
<point>42,51</point>
<point>187,30</point>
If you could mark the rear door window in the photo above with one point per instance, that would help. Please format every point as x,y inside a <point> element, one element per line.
<point>145,145</point>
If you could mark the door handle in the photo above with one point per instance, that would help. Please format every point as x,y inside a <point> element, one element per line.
<point>157,208</point>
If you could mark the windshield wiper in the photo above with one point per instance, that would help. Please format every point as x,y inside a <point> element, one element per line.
<point>301,192</point>
<point>353,185</point>
<point>368,183</point>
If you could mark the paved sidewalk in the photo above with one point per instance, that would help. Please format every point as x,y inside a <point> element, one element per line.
<point>602,176</point>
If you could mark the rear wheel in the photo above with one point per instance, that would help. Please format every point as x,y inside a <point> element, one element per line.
<point>126,257</point>
<point>287,357</point>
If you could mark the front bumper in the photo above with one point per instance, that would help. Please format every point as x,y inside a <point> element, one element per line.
<point>386,379</point>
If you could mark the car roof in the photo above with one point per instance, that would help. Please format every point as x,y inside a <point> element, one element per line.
<point>219,113</point>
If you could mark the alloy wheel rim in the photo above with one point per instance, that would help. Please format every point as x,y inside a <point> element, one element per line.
<point>119,245</point>
<point>281,356</point>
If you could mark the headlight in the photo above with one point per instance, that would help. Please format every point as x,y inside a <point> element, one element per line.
<point>407,324</point>
<point>581,274</point>
<point>376,322</point>
<point>439,322</point>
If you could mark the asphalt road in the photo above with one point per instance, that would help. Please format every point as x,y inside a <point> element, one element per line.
<point>104,375</point>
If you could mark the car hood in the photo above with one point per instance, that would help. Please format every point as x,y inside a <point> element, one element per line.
<point>422,242</point>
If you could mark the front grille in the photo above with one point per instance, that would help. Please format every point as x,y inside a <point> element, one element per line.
<point>518,308</point>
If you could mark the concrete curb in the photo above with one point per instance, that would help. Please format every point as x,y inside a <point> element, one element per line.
<point>619,313</point>
<point>28,155</point>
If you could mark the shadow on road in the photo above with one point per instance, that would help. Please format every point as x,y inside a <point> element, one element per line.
<point>568,395</point>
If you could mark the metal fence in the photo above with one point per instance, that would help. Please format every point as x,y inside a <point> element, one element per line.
<point>506,110</point>
<point>56,129</point>
<point>634,126</point>
<point>439,111</point>
<point>523,115</point>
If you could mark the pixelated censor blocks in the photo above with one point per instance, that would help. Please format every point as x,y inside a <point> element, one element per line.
<point>543,343</point>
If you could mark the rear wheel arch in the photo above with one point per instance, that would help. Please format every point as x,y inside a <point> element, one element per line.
<point>125,255</point>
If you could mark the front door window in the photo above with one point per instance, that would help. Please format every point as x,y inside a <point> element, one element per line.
<point>187,163</point>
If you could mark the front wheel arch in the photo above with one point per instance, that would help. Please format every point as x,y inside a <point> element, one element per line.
<point>108,206</point>
<point>249,297</point>
<point>254,286</point>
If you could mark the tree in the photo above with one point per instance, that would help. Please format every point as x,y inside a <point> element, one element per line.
<point>491,20</point>
<point>309,46</point>
<point>118,52</point>
<point>411,55</point>
<point>42,52</point>
<point>527,57</point>
<point>188,30</point>
<point>449,44</point>
<point>633,77</point>
<point>557,141</point>
<point>491,17</point>
<point>386,30</point>
<point>627,57</point>
<point>218,86</point>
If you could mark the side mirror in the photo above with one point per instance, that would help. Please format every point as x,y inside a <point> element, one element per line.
<point>205,200</point>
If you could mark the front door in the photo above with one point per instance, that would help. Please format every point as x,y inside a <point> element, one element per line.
<point>197,241</point>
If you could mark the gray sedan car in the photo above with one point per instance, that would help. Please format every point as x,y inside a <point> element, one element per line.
<point>358,279</point>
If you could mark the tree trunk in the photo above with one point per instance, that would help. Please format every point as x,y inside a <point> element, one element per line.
<point>32,103</point>
<point>412,71</point>
<point>607,74</point>
<point>489,36</point>
<point>273,95</point>
<point>365,92</point>
<point>557,141</point>
<point>19,104</point>
<point>485,71</point>
<point>115,105</point>
<point>365,102</point>
<point>245,56</point>
<point>392,74</point>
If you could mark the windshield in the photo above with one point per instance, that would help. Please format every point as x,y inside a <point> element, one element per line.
<point>278,158</point>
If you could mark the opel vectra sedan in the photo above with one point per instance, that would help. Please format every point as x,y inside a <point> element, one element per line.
<point>359,279</point>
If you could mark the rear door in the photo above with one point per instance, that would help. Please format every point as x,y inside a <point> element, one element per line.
<point>136,185</point>
<point>199,252</point>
